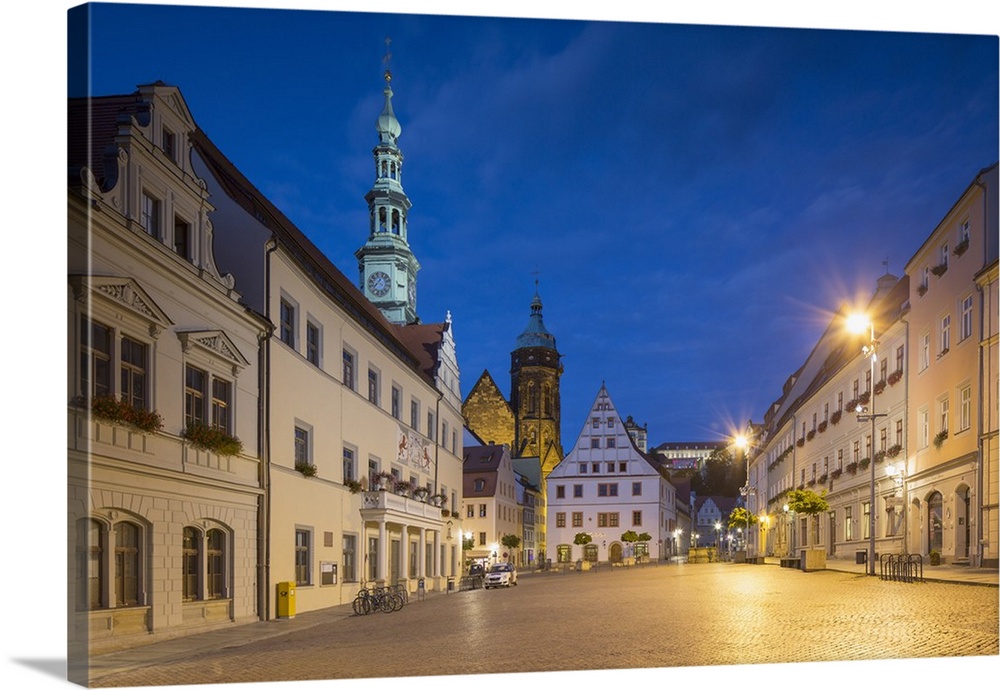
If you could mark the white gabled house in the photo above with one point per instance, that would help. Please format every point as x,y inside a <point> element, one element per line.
<point>605,487</point>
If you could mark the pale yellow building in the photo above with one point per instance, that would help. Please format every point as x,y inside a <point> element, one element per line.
<point>951,473</point>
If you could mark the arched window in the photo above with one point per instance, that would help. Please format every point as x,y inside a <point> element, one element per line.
<point>532,398</point>
<point>590,553</point>
<point>90,575</point>
<point>381,220</point>
<point>546,400</point>
<point>395,222</point>
<point>385,168</point>
<point>215,551</point>
<point>126,564</point>
<point>191,563</point>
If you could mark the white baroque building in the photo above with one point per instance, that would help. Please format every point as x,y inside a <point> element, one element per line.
<point>166,480</point>
<point>605,487</point>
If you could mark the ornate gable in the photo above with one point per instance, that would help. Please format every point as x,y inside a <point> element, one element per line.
<point>215,344</point>
<point>124,295</point>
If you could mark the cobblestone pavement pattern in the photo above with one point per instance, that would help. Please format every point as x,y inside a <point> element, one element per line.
<point>649,617</point>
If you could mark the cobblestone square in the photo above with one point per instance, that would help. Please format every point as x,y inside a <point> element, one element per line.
<point>664,616</point>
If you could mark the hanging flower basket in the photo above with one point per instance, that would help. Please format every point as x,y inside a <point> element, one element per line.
<point>939,270</point>
<point>894,450</point>
<point>852,467</point>
<point>822,427</point>
<point>209,438</point>
<point>961,247</point>
<point>115,411</point>
<point>879,387</point>
<point>895,377</point>
<point>307,469</point>
<point>835,417</point>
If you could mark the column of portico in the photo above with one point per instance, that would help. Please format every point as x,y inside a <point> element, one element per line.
<point>383,550</point>
<point>436,550</point>
<point>422,553</point>
<point>404,548</point>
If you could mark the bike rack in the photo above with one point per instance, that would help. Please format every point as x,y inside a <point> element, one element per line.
<point>901,567</point>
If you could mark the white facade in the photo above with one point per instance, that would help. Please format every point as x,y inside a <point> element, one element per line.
<point>491,506</point>
<point>164,533</point>
<point>605,487</point>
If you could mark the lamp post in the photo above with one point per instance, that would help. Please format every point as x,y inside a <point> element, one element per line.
<point>742,443</point>
<point>859,323</point>
<point>718,531</point>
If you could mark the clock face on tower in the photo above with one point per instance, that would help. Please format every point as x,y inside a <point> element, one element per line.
<point>378,284</point>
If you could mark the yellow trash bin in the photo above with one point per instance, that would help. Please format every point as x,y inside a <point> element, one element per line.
<point>286,600</point>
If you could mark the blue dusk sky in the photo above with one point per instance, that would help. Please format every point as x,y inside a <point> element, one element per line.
<point>695,201</point>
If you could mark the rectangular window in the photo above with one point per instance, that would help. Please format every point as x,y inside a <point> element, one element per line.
<point>482,510</point>
<point>623,467</point>
<point>611,467</point>
<point>583,468</point>
<point>848,524</point>
<point>431,426</point>
<point>595,422</point>
<point>397,402</point>
<point>945,333</point>
<point>350,563</point>
<point>482,538</point>
<point>899,432</point>
<point>286,324</point>
<point>963,233</point>
<point>578,519</point>
<point>373,386</point>
<point>301,446</point>
<point>195,381</point>
<point>637,488</point>
<point>95,359</point>
<point>607,489</point>
<point>611,422</point>
<point>133,373</point>
<point>182,238</point>
<point>149,216</point>
<point>595,442</point>
<point>637,518</point>
<point>222,398</point>
<point>925,351</point>
<point>350,465</point>
<point>560,519</point>
<point>899,358</point>
<point>965,409</point>
<point>470,511</point>
<point>866,527</point>
<point>303,556</point>
<point>923,428</point>
<point>578,491</point>
<point>312,343</point>
<point>414,413</point>
<point>169,144</point>
<point>965,328</point>
<point>595,467</point>
<point>610,443</point>
<point>943,409</point>
<point>840,400</point>
<point>349,370</point>
<point>560,491</point>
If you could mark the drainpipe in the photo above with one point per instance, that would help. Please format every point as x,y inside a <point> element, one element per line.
<point>264,407</point>
<point>980,420</point>
<point>906,437</point>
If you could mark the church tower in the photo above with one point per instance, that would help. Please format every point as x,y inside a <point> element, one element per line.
<point>387,266</point>
<point>534,392</point>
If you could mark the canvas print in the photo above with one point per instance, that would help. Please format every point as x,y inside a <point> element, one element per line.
<point>409,346</point>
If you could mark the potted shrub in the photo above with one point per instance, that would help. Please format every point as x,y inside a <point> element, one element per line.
<point>352,484</point>
<point>939,438</point>
<point>865,462</point>
<point>935,557</point>
<point>806,502</point>
<point>852,467</point>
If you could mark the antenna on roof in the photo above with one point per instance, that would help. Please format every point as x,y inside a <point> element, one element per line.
<point>885,262</point>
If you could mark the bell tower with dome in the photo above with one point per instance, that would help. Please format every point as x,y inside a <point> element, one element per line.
<point>535,368</point>
<point>387,266</point>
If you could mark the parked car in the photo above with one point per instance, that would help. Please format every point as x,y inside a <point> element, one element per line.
<point>501,575</point>
<point>476,569</point>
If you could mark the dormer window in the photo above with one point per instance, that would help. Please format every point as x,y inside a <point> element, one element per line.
<point>149,216</point>
<point>170,144</point>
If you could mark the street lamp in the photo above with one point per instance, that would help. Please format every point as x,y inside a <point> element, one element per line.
<point>718,531</point>
<point>743,443</point>
<point>859,323</point>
